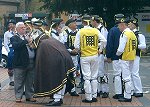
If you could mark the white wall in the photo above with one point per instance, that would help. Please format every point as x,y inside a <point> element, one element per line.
<point>144,24</point>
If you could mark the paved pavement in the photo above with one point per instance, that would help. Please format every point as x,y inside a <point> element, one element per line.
<point>7,98</point>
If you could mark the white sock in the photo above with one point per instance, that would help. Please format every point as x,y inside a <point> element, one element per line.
<point>11,78</point>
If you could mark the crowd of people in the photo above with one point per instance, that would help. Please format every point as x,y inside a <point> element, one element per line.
<point>45,61</point>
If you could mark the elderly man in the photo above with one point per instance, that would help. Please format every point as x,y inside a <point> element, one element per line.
<point>23,64</point>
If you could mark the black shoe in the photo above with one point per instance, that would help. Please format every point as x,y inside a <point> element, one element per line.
<point>31,100</point>
<point>0,86</point>
<point>74,93</point>
<point>98,94</point>
<point>118,96</point>
<point>138,94</point>
<point>94,99</point>
<point>61,101</point>
<point>125,100</point>
<point>58,103</point>
<point>87,101</point>
<point>11,83</point>
<point>105,95</point>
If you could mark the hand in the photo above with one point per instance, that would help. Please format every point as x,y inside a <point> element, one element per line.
<point>99,52</point>
<point>143,50</point>
<point>77,73</point>
<point>74,51</point>
<point>109,60</point>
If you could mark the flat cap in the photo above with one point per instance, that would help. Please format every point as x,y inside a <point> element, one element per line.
<point>12,21</point>
<point>69,21</point>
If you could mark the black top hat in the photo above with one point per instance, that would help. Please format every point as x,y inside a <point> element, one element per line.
<point>69,21</point>
<point>86,18</point>
<point>120,18</point>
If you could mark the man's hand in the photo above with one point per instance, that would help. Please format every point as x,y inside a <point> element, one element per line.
<point>109,60</point>
<point>74,51</point>
<point>99,52</point>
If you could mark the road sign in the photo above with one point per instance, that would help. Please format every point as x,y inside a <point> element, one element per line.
<point>24,16</point>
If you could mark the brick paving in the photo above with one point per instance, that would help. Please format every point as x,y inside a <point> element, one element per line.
<point>7,98</point>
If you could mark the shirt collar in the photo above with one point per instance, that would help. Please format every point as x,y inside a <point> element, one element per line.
<point>127,29</point>
<point>71,30</point>
<point>87,26</point>
<point>134,30</point>
<point>99,25</point>
<point>54,30</point>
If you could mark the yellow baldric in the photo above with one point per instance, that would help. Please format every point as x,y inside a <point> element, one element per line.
<point>88,42</point>
<point>130,48</point>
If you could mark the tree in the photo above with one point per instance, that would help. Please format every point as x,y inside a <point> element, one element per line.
<point>105,8</point>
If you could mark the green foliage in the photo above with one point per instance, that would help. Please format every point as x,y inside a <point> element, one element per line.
<point>105,8</point>
<point>94,6</point>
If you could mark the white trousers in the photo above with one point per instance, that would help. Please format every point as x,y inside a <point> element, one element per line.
<point>135,76</point>
<point>89,66</point>
<point>117,76</point>
<point>126,75</point>
<point>60,94</point>
<point>75,62</point>
<point>103,67</point>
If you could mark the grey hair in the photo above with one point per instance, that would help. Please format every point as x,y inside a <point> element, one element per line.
<point>19,23</point>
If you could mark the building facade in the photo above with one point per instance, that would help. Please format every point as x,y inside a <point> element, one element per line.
<point>6,7</point>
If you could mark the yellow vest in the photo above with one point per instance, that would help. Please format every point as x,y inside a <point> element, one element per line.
<point>88,42</point>
<point>130,48</point>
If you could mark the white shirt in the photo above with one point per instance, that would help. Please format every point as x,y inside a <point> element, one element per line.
<point>141,40</point>
<point>7,36</point>
<point>59,38</point>
<point>100,37</point>
<point>122,42</point>
<point>66,35</point>
<point>103,31</point>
